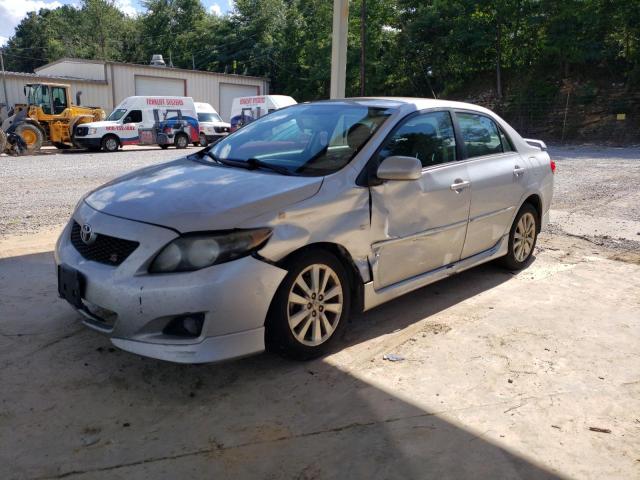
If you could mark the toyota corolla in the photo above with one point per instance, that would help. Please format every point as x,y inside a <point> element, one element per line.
<point>273,236</point>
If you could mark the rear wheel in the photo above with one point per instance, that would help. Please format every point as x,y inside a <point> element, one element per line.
<point>31,135</point>
<point>522,238</point>
<point>310,306</point>
<point>110,143</point>
<point>164,146</point>
<point>181,141</point>
<point>203,140</point>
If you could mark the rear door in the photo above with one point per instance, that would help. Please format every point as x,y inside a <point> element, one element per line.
<point>497,173</point>
<point>425,220</point>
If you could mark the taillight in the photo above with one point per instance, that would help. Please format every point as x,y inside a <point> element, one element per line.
<point>167,129</point>
<point>552,164</point>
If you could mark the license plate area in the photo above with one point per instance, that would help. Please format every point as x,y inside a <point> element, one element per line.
<point>71,284</point>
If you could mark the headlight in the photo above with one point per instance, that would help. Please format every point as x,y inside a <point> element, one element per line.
<point>199,250</point>
<point>92,131</point>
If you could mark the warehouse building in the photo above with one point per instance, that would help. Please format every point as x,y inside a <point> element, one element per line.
<point>105,84</point>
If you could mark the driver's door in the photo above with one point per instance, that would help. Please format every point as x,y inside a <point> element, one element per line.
<point>131,127</point>
<point>424,220</point>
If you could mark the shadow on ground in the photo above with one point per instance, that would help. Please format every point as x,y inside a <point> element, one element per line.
<point>73,407</point>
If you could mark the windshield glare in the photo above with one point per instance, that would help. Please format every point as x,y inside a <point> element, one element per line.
<point>311,139</point>
<point>209,117</point>
<point>117,114</point>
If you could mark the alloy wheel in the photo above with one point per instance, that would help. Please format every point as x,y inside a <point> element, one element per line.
<point>524,237</point>
<point>315,304</point>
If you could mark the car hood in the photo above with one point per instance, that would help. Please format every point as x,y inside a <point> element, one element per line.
<point>187,195</point>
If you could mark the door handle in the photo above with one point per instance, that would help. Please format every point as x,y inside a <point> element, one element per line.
<point>517,171</point>
<point>459,185</point>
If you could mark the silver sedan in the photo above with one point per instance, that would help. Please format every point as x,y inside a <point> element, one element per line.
<point>274,235</point>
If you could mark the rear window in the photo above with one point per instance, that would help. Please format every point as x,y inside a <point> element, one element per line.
<point>480,134</point>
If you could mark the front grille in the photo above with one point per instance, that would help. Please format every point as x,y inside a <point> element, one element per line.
<point>104,249</point>
<point>221,129</point>
<point>82,131</point>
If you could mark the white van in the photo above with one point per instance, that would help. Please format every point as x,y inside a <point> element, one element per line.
<point>212,127</point>
<point>247,109</point>
<point>154,120</point>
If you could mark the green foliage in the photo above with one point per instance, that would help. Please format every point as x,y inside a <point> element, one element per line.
<point>414,47</point>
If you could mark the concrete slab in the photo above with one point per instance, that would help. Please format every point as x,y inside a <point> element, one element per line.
<point>503,376</point>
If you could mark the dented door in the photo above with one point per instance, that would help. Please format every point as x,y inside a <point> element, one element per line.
<point>424,224</point>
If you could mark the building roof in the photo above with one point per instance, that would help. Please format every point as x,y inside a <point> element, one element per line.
<point>153,67</point>
<point>52,78</point>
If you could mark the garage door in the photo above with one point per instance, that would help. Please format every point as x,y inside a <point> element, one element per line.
<point>159,86</point>
<point>229,91</point>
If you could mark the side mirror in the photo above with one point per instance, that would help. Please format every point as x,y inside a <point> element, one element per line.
<point>399,168</point>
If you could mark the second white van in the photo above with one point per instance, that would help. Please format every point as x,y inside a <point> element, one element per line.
<point>212,127</point>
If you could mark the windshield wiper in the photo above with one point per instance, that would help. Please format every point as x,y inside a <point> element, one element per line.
<point>217,159</point>
<point>250,164</point>
<point>254,163</point>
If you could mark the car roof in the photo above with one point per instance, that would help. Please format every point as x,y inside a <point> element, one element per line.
<point>398,102</point>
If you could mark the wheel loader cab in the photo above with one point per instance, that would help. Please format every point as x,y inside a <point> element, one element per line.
<point>52,99</point>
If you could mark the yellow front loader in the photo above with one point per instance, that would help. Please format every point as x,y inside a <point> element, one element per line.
<point>49,116</point>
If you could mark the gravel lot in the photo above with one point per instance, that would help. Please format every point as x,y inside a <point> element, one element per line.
<point>40,191</point>
<point>596,195</point>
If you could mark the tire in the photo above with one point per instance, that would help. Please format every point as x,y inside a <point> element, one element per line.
<point>31,135</point>
<point>203,140</point>
<point>522,238</point>
<point>61,146</point>
<point>3,141</point>
<point>110,143</point>
<point>289,331</point>
<point>164,146</point>
<point>181,141</point>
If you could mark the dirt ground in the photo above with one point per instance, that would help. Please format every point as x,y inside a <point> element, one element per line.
<point>533,375</point>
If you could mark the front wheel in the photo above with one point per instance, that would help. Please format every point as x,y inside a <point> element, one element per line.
<point>181,141</point>
<point>110,143</point>
<point>311,305</point>
<point>522,238</point>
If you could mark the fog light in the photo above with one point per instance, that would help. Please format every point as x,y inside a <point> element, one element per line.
<point>189,325</point>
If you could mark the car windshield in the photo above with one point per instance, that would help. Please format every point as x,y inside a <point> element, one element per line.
<point>209,117</point>
<point>117,114</point>
<point>307,139</point>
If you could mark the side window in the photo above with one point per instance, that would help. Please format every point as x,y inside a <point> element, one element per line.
<point>480,134</point>
<point>134,116</point>
<point>59,96</point>
<point>506,143</point>
<point>428,137</point>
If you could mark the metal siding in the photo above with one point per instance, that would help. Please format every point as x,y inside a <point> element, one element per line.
<point>74,69</point>
<point>201,86</point>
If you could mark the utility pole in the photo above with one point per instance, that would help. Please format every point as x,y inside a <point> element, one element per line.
<point>339,48</point>
<point>363,45</point>
<point>4,79</point>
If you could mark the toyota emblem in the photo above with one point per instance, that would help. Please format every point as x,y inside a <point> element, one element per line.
<point>87,235</point>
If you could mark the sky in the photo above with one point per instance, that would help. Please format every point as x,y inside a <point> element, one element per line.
<point>15,10</point>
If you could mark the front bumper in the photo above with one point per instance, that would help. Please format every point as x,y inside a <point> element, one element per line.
<point>234,297</point>
<point>92,143</point>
